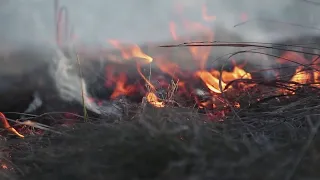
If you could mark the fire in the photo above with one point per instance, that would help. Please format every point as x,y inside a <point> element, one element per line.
<point>121,88</point>
<point>214,81</point>
<point>3,166</point>
<point>7,126</point>
<point>211,81</point>
<point>154,100</point>
<point>132,52</point>
<point>301,76</point>
<point>237,73</point>
<point>306,71</point>
<point>200,55</point>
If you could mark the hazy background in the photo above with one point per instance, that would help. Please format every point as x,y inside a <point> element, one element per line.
<point>141,21</point>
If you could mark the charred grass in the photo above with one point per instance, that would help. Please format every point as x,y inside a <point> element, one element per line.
<point>277,139</point>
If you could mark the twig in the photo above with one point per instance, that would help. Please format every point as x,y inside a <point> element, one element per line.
<point>314,131</point>
<point>86,117</point>
<point>276,21</point>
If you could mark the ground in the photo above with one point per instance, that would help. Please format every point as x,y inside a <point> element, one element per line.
<point>265,141</point>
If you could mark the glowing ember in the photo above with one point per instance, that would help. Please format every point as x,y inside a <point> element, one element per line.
<point>3,166</point>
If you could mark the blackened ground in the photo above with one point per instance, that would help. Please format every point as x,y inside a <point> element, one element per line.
<point>266,141</point>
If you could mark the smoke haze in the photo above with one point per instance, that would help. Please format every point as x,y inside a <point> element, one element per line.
<point>141,21</point>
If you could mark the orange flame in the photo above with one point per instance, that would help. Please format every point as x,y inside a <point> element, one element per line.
<point>154,100</point>
<point>211,81</point>
<point>121,88</point>
<point>8,127</point>
<point>132,52</point>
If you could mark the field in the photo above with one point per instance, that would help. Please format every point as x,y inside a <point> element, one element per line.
<point>269,140</point>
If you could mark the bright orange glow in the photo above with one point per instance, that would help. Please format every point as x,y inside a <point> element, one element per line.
<point>154,100</point>
<point>7,126</point>
<point>133,51</point>
<point>211,81</point>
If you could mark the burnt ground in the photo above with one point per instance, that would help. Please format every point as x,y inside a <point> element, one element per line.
<point>275,139</point>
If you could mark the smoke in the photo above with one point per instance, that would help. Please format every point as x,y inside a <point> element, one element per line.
<point>141,21</point>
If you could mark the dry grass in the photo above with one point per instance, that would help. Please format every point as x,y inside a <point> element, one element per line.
<point>276,138</point>
<point>270,141</point>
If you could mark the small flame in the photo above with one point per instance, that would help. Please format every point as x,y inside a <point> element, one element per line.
<point>8,127</point>
<point>131,52</point>
<point>121,88</point>
<point>4,166</point>
<point>211,81</point>
<point>237,73</point>
<point>154,100</point>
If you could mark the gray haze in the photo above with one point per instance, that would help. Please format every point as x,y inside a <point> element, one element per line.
<point>141,21</point>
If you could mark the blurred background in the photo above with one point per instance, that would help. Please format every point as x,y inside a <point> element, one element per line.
<point>141,21</point>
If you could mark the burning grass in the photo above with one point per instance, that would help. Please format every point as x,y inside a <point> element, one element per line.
<point>276,138</point>
<point>241,127</point>
<point>205,124</point>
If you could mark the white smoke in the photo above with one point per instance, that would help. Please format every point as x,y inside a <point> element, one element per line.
<point>141,21</point>
<point>70,85</point>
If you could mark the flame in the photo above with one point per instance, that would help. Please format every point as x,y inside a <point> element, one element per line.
<point>8,127</point>
<point>306,71</point>
<point>199,54</point>
<point>301,76</point>
<point>121,88</point>
<point>211,81</point>
<point>168,67</point>
<point>154,100</point>
<point>133,51</point>
<point>237,73</point>
<point>4,166</point>
<point>214,80</point>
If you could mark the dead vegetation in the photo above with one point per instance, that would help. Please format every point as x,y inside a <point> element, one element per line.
<point>274,139</point>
